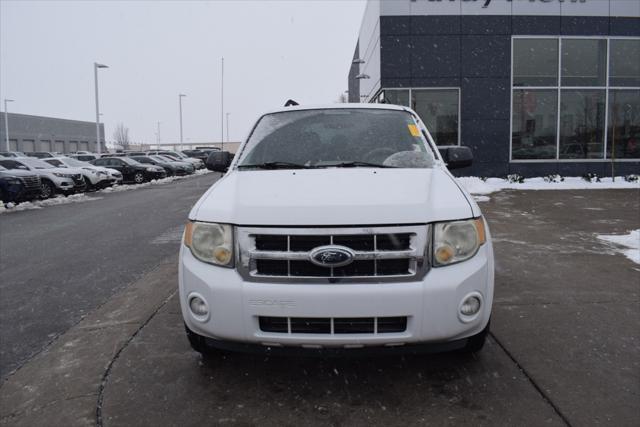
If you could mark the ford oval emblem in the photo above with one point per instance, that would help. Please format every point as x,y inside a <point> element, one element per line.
<point>331,256</point>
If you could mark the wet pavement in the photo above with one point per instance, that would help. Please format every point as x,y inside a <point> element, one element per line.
<point>563,349</point>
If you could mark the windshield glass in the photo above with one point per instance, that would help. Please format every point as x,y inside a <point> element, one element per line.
<point>32,162</point>
<point>161,159</point>
<point>337,137</point>
<point>75,163</point>
<point>129,161</point>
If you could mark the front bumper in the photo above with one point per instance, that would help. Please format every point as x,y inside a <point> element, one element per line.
<point>431,306</point>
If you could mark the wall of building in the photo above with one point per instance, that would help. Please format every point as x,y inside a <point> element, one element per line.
<point>36,133</point>
<point>461,44</point>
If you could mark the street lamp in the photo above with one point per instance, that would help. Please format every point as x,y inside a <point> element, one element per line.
<point>228,126</point>
<point>180,96</point>
<point>95,74</point>
<point>6,122</point>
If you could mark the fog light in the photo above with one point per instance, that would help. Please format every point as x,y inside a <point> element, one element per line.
<point>198,306</point>
<point>470,306</point>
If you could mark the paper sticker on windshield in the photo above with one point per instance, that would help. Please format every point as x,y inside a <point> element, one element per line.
<point>414,130</point>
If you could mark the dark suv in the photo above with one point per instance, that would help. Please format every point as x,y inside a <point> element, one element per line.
<point>130,169</point>
<point>18,185</point>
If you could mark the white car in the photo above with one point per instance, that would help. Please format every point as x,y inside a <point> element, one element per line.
<point>94,176</point>
<point>179,157</point>
<point>337,228</point>
<point>54,180</point>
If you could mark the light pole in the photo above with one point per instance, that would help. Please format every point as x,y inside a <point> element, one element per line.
<point>95,74</point>
<point>6,122</point>
<point>180,96</point>
<point>228,126</point>
<point>158,136</point>
<point>222,106</point>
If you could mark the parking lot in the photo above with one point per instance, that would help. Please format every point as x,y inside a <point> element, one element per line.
<point>563,348</point>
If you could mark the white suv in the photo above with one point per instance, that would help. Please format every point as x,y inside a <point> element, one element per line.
<point>337,228</point>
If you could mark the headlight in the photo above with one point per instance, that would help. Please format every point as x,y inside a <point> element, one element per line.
<point>212,243</point>
<point>14,181</point>
<point>62,175</point>
<point>457,241</point>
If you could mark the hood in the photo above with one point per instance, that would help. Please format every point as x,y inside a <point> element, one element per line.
<point>359,196</point>
<point>18,172</point>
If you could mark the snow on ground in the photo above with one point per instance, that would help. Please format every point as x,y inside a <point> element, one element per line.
<point>475,185</point>
<point>83,197</point>
<point>631,243</point>
<point>39,204</point>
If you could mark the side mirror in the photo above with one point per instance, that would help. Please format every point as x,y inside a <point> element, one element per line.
<point>456,156</point>
<point>219,161</point>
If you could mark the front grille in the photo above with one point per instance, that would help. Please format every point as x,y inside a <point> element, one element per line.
<point>31,182</point>
<point>333,326</point>
<point>378,252</point>
<point>77,179</point>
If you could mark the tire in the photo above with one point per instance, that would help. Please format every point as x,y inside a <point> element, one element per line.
<point>197,341</point>
<point>476,342</point>
<point>47,190</point>
<point>89,185</point>
<point>138,177</point>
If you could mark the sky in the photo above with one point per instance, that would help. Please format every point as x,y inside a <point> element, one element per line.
<point>273,51</point>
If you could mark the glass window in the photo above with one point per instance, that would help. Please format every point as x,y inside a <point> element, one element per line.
<point>624,124</point>
<point>535,114</point>
<point>535,62</point>
<point>584,62</point>
<point>582,124</point>
<point>397,97</point>
<point>624,66</point>
<point>335,137</point>
<point>438,109</point>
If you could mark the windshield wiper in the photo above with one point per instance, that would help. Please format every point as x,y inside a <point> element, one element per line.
<point>275,165</point>
<point>354,164</point>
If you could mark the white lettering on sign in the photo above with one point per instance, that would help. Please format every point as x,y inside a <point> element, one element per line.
<point>488,2</point>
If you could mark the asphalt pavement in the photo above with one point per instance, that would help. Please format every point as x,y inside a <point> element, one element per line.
<point>61,262</point>
<point>562,351</point>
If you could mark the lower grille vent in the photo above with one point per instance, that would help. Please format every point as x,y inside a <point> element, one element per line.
<point>341,325</point>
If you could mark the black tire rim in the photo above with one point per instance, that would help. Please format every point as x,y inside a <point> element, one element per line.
<point>46,191</point>
<point>138,178</point>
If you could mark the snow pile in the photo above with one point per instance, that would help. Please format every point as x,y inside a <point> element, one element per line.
<point>475,185</point>
<point>127,187</point>
<point>631,241</point>
<point>39,204</point>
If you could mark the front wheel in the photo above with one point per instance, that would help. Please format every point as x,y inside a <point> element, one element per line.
<point>138,178</point>
<point>476,342</point>
<point>197,341</point>
<point>88,185</point>
<point>47,190</point>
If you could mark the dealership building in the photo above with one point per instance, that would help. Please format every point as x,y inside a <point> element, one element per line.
<point>533,87</point>
<point>36,133</point>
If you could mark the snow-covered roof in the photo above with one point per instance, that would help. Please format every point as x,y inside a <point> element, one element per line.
<point>366,106</point>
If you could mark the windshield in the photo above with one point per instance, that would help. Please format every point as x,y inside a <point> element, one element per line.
<point>129,161</point>
<point>337,137</point>
<point>32,162</point>
<point>75,163</point>
<point>161,159</point>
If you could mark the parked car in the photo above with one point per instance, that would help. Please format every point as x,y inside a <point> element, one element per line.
<point>95,177</point>
<point>337,228</point>
<point>18,185</point>
<point>12,154</point>
<point>171,167</point>
<point>130,169</point>
<point>196,154</point>
<point>53,180</point>
<point>41,154</point>
<point>197,163</point>
<point>84,157</point>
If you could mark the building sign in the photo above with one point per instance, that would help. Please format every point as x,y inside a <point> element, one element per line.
<point>487,3</point>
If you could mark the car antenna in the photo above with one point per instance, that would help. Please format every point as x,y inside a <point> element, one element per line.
<point>290,102</point>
